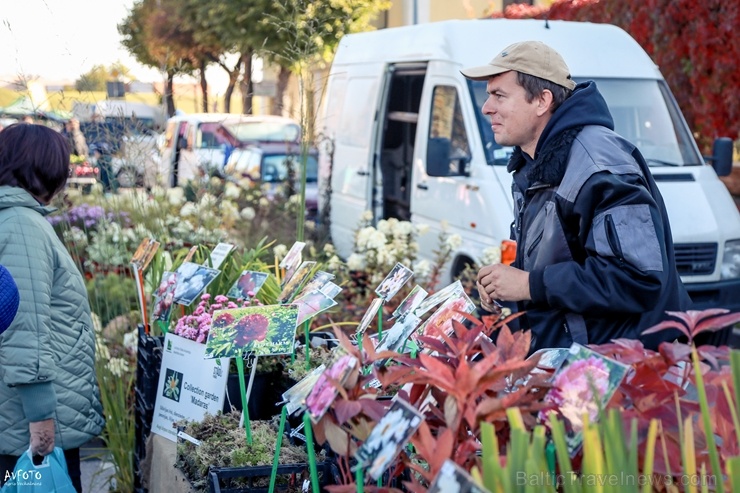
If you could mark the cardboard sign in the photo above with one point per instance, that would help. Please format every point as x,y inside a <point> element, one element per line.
<point>189,385</point>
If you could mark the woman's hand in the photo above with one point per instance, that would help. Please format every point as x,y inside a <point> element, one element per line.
<point>42,437</point>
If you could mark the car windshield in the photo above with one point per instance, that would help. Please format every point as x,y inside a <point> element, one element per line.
<point>275,167</point>
<point>644,113</point>
<point>264,131</point>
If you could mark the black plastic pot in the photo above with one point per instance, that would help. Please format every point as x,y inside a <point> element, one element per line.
<point>221,479</point>
<point>148,362</point>
<point>267,390</point>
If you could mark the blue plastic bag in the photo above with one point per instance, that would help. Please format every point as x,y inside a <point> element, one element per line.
<point>48,477</point>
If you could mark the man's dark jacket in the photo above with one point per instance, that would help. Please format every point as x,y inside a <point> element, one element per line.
<point>592,231</point>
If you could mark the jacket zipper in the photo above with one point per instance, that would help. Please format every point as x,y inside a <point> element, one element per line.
<point>613,238</point>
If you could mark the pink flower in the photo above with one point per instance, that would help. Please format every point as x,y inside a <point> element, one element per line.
<point>205,297</point>
<point>221,299</point>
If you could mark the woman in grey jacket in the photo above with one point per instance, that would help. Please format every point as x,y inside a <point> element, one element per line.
<point>49,394</point>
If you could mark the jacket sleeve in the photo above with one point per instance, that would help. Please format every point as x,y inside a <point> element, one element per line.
<point>26,358</point>
<point>625,267</point>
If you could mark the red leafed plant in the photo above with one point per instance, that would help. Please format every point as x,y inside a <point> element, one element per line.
<point>661,385</point>
<point>456,382</point>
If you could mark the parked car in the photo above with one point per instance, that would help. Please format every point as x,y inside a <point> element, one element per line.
<point>199,144</point>
<point>274,163</point>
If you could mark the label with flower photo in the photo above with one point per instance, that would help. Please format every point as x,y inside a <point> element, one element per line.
<point>394,281</point>
<point>388,437</point>
<point>324,392</point>
<point>259,330</point>
<point>295,397</point>
<point>189,385</point>
<point>454,479</point>
<point>583,385</point>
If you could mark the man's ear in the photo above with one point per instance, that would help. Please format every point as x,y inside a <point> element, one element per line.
<point>544,102</point>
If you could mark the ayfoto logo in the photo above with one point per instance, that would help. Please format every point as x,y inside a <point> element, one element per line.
<point>504,54</point>
<point>169,345</point>
<point>23,478</point>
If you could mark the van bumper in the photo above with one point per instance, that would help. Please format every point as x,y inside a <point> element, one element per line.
<point>720,294</point>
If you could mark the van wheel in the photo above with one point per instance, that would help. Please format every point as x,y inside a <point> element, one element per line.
<point>459,266</point>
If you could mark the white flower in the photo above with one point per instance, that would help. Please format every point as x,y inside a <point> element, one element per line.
<point>247,213</point>
<point>453,242</point>
<point>367,216</point>
<point>176,196</point>
<point>131,341</point>
<point>403,229</point>
<point>279,251</point>
<point>329,249</point>
<point>263,202</point>
<point>207,201</point>
<point>229,210</point>
<point>310,225</point>
<point>231,191</point>
<point>245,183</point>
<point>376,241</point>
<point>422,229</point>
<point>384,227</point>
<point>118,366</point>
<point>333,264</point>
<point>188,210</point>
<point>491,255</point>
<point>214,181</point>
<point>356,262</point>
<point>294,199</point>
<point>422,268</point>
<point>158,192</point>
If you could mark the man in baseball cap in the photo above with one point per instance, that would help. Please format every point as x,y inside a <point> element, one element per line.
<point>595,258</point>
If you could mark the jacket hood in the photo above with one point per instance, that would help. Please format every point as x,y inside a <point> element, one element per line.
<point>586,106</point>
<point>18,197</point>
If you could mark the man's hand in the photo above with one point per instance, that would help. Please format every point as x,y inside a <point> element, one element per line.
<point>502,282</point>
<point>42,437</point>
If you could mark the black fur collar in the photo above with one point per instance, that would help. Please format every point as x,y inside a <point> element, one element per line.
<point>549,167</point>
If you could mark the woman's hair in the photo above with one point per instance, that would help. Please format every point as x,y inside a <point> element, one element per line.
<point>34,158</point>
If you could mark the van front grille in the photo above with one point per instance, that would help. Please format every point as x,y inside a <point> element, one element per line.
<point>696,259</point>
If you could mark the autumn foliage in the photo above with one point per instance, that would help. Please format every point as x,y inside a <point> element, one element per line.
<point>694,42</point>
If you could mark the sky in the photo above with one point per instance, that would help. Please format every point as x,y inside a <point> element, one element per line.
<point>61,39</point>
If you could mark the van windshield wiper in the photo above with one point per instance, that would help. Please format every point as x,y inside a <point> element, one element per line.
<point>660,162</point>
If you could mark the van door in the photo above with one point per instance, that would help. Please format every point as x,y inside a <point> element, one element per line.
<point>443,195</point>
<point>396,140</point>
<point>351,123</point>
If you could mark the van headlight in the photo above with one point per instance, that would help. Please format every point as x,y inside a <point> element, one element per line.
<point>731,260</point>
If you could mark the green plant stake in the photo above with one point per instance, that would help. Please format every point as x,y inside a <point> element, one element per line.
<point>360,479</point>
<point>308,346</point>
<point>243,388</point>
<point>550,455</point>
<point>311,453</point>
<point>276,459</point>
<point>380,322</point>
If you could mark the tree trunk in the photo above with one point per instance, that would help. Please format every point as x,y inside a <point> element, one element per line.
<point>203,85</point>
<point>246,86</point>
<point>168,94</point>
<point>233,78</point>
<point>282,85</point>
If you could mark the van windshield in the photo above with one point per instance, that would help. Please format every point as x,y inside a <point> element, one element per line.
<point>275,167</point>
<point>644,113</point>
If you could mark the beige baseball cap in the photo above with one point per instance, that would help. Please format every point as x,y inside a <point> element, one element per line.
<point>529,57</point>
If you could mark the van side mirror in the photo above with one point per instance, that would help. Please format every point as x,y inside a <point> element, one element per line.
<point>722,156</point>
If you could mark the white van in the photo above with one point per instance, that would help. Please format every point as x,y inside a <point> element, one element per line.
<point>198,144</point>
<point>407,139</point>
